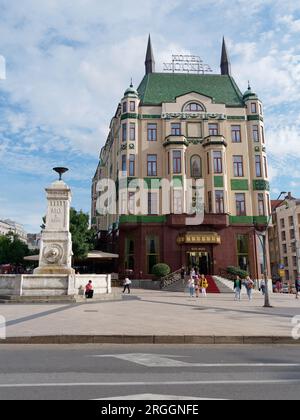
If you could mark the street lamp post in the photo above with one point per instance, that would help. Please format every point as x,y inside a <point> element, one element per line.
<point>262,233</point>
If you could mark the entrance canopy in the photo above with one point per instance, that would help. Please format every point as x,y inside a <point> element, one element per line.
<point>199,238</point>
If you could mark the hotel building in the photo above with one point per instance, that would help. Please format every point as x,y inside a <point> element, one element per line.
<point>180,127</point>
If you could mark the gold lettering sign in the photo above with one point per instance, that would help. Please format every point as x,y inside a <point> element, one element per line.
<point>199,238</point>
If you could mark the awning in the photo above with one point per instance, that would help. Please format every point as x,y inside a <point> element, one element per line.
<point>32,258</point>
<point>93,255</point>
<point>99,255</point>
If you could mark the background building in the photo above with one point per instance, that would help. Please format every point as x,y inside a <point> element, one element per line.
<point>34,241</point>
<point>180,127</point>
<point>9,226</point>
<point>288,234</point>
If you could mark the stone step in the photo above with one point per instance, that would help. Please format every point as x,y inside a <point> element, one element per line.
<point>225,286</point>
<point>13,300</point>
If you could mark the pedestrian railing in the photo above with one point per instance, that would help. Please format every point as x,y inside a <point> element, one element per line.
<point>170,279</point>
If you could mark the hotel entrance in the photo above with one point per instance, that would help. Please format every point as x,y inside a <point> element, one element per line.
<point>201,261</point>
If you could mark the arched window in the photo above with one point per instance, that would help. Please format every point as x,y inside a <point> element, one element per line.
<point>196,167</point>
<point>194,107</point>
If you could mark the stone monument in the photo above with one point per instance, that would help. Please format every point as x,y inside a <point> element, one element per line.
<point>56,244</point>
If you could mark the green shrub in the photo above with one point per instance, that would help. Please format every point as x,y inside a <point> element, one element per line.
<point>161,270</point>
<point>237,272</point>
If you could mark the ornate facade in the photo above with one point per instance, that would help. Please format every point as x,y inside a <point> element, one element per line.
<point>179,127</point>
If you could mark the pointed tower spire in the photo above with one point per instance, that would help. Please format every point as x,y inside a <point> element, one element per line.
<point>150,62</point>
<point>225,61</point>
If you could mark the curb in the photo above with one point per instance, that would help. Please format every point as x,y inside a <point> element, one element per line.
<point>151,339</point>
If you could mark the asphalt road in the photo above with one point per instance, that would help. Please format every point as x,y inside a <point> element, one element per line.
<point>147,372</point>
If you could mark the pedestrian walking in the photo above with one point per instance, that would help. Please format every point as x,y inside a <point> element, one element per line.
<point>89,290</point>
<point>263,287</point>
<point>127,284</point>
<point>249,286</point>
<point>297,284</point>
<point>182,274</point>
<point>238,288</point>
<point>191,285</point>
<point>197,286</point>
<point>204,285</point>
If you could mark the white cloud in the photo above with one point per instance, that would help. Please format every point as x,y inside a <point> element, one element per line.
<point>69,62</point>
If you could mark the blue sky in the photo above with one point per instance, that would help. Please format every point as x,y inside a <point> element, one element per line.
<point>68,63</point>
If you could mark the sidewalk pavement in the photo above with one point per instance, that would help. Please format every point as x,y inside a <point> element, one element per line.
<point>155,317</point>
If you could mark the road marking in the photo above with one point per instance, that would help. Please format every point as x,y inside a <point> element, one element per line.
<point>153,360</point>
<point>174,383</point>
<point>153,397</point>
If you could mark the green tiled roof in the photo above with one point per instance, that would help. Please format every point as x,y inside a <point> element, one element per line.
<point>157,88</point>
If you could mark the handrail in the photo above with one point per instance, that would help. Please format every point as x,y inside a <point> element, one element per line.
<point>170,279</point>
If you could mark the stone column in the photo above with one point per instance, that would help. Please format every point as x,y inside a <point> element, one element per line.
<point>56,243</point>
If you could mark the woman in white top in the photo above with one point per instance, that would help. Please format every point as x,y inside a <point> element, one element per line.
<point>192,287</point>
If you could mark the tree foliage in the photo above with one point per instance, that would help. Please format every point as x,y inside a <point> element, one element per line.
<point>12,250</point>
<point>237,272</point>
<point>83,237</point>
<point>161,270</point>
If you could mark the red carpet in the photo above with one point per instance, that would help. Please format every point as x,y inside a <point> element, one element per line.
<point>212,287</point>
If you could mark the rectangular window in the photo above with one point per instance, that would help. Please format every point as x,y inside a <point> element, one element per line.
<point>240,205</point>
<point>132,131</point>
<point>124,164</point>
<point>152,165</point>
<point>255,131</point>
<point>124,107</point>
<point>220,209</point>
<point>129,257</point>
<point>295,261</point>
<point>282,223</point>
<point>286,261</point>
<point>210,208</point>
<point>283,236</point>
<point>152,132</point>
<point>208,164</point>
<point>258,167</point>
<point>131,203</point>
<point>292,234</point>
<point>132,106</point>
<point>177,163</point>
<point>284,248</point>
<point>152,203</point>
<point>291,221</point>
<point>293,247</point>
<point>243,252</point>
<point>132,165</point>
<point>238,166</point>
<point>254,108</point>
<point>152,252</point>
<point>168,163</point>
<point>218,163</point>
<point>176,129</point>
<point>263,134</point>
<point>261,205</point>
<point>260,109</point>
<point>213,129</point>
<point>178,202</point>
<point>266,167</point>
<point>124,132</point>
<point>236,134</point>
